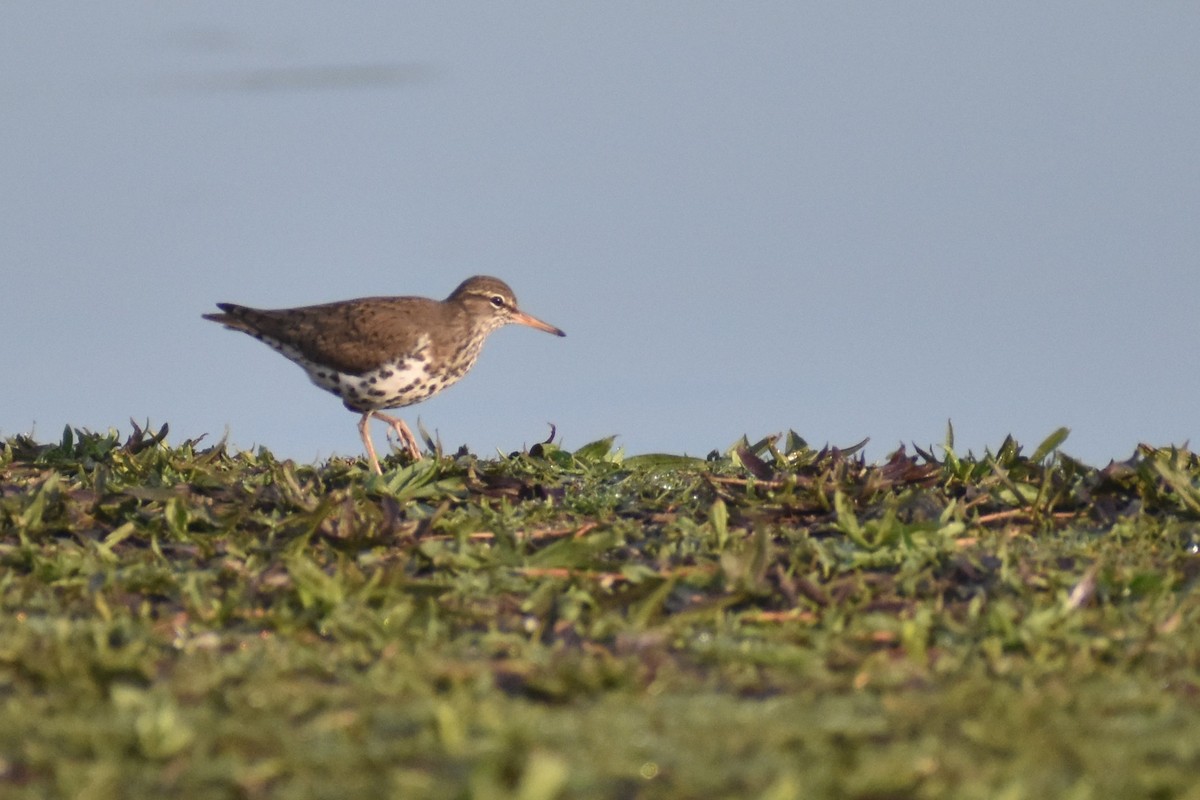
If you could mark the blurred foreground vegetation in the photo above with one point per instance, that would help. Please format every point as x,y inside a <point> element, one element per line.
<point>772,622</point>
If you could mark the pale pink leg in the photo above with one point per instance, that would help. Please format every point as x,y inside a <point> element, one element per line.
<point>366,437</point>
<point>406,436</point>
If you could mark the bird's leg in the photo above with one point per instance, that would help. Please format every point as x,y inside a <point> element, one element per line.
<point>406,436</point>
<point>366,437</point>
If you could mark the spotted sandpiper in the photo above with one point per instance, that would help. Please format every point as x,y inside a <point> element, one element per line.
<point>386,352</point>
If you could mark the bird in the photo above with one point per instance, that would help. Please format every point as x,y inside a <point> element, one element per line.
<point>379,353</point>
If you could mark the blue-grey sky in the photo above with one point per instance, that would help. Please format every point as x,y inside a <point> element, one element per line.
<point>850,219</point>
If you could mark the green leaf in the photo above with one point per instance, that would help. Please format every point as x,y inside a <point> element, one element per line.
<point>649,461</point>
<point>596,451</point>
<point>847,520</point>
<point>718,517</point>
<point>1050,444</point>
<point>1181,482</point>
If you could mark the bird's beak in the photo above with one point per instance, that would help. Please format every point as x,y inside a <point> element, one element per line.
<point>521,318</point>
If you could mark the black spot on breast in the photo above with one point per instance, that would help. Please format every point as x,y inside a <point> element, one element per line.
<point>384,374</point>
<point>377,393</point>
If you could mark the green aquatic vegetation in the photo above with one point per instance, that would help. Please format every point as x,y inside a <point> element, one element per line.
<point>774,621</point>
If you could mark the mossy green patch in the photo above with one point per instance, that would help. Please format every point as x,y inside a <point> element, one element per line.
<point>774,621</point>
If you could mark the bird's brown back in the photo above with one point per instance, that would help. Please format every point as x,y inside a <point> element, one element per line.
<point>353,336</point>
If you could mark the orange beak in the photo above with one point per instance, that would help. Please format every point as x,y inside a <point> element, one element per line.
<point>521,318</point>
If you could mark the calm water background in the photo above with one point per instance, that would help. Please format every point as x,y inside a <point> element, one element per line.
<point>848,219</point>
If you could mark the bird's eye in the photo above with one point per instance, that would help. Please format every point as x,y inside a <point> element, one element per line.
<point>497,301</point>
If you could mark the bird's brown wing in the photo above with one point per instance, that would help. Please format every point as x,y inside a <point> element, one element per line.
<point>354,336</point>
